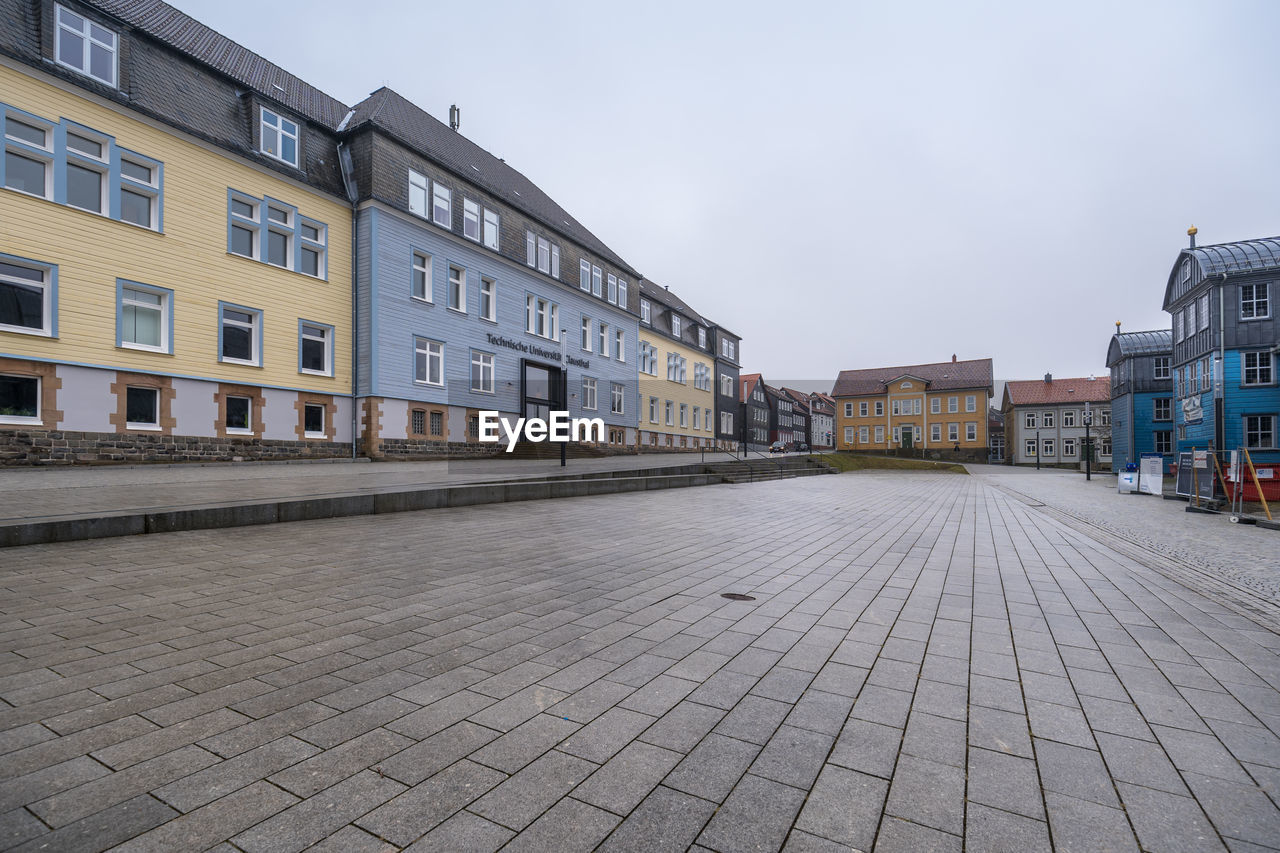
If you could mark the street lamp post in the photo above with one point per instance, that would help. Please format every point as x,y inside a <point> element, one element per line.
<point>1037,450</point>
<point>564,390</point>
<point>1088,444</point>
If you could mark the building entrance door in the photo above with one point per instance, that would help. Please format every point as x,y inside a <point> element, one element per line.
<point>542,389</point>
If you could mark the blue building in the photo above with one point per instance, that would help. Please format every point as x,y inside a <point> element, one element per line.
<point>476,291</point>
<point>1225,338</point>
<point>1141,395</point>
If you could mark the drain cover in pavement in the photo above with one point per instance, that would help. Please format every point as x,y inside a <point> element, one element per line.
<point>737,596</point>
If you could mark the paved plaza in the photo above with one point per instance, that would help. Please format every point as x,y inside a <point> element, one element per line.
<point>930,662</point>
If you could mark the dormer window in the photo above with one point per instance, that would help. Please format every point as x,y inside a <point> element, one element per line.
<point>645,311</point>
<point>279,137</point>
<point>702,338</point>
<point>86,47</point>
<point>675,325</point>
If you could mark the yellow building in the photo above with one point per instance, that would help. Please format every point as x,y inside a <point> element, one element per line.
<point>174,283</point>
<point>936,407</point>
<point>677,373</point>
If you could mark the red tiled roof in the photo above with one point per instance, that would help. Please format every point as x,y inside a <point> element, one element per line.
<point>941,376</point>
<point>1037,392</point>
<point>748,381</point>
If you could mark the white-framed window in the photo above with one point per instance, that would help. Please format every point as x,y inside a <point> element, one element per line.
<point>142,408</point>
<point>1046,420</point>
<point>1160,368</point>
<point>1190,322</point>
<point>620,345</point>
<point>530,249</point>
<point>19,399</point>
<point>470,219</point>
<point>488,299</point>
<point>848,409</point>
<point>87,166</point>
<point>1048,447</point>
<point>879,408</point>
<point>441,205</point>
<point>1104,417</point>
<point>240,331</point>
<point>1177,325</point>
<point>29,153</point>
<point>733,348</point>
<point>555,260</point>
<point>1106,447</point>
<point>648,359</point>
<point>612,292</point>
<point>244,226</point>
<point>1255,301</point>
<point>482,372</point>
<point>1163,441</point>
<point>953,405</point>
<point>1029,447</point>
<point>1068,447</point>
<point>622,292</point>
<point>492,229</point>
<point>1162,409</point>
<point>935,432</point>
<point>676,366</point>
<point>457,289</point>
<point>970,431</point>
<point>684,415</point>
<point>897,435</point>
<point>862,435</point>
<point>1204,312</point>
<point>702,338</point>
<point>421,276</point>
<point>589,393</point>
<point>1257,368</point>
<point>726,385</point>
<point>597,281</point>
<point>697,417</point>
<point>953,432</point>
<point>895,407</point>
<point>584,275</point>
<point>848,435</point>
<point>315,348</point>
<point>273,232</point>
<point>670,413</point>
<point>428,362</point>
<point>311,251</point>
<point>675,325</point>
<point>279,236</point>
<point>144,320</point>
<point>419,187</point>
<point>862,409</point>
<point>313,420</point>
<point>935,406</point>
<point>726,423</point>
<point>586,333</point>
<point>603,338</point>
<point>1206,374</point>
<point>646,311</point>
<point>239,415</point>
<point>701,377</point>
<point>616,398</point>
<point>87,47</point>
<point>544,255</point>
<point>971,403</point>
<point>27,296</point>
<point>541,317</point>
<point>1029,420</point>
<point>279,137</point>
<point>653,410</point>
<point>879,435</point>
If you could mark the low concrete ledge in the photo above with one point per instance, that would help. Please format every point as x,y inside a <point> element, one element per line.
<point>43,531</point>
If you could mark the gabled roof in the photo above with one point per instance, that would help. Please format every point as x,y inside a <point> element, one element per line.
<point>1037,392</point>
<point>748,382</point>
<point>1133,344</point>
<point>1239,258</point>
<point>797,397</point>
<point>187,35</point>
<point>941,376</point>
<point>658,293</point>
<point>399,117</point>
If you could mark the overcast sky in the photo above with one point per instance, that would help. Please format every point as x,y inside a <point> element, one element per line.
<point>851,184</point>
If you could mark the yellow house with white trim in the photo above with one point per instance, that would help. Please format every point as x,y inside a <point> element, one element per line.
<point>677,374</point>
<point>164,292</point>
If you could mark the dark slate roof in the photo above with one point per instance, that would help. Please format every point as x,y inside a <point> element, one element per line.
<point>797,397</point>
<point>399,117</point>
<point>1037,392</point>
<point>1133,344</point>
<point>658,293</point>
<point>187,35</point>
<point>1245,256</point>
<point>941,376</point>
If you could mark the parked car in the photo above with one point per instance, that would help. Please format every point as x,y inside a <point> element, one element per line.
<point>778,447</point>
<point>800,447</point>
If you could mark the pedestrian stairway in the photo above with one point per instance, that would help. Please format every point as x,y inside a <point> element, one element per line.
<point>763,469</point>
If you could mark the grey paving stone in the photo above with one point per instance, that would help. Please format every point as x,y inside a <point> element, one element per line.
<point>364,692</point>
<point>754,661</point>
<point>569,826</point>
<point>47,781</point>
<point>519,800</point>
<point>1200,753</point>
<point>321,771</point>
<point>606,735</point>
<point>343,727</point>
<point>989,830</point>
<point>115,709</point>
<point>936,738</point>
<point>266,729</point>
<point>844,806</point>
<point>667,820</point>
<point>868,748</point>
<point>754,719</point>
<point>793,756</point>
<point>289,696</point>
<point>1117,718</point>
<point>683,726</point>
<point>1001,731</point>
<point>756,816</point>
<point>1140,762</point>
<point>883,705</point>
<point>723,690</point>
<point>998,693</point>
<point>659,695</point>
<point>213,823</point>
<point>1238,811</point>
<point>1005,782</point>
<point>319,816</point>
<point>928,793</point>
<point>517,708</point>
<point>941,699</point>
<point>349,839</point>
<point>803,842</point>
<point>590,702</point>
<point>1076,772</point>
<point>164,740</point>
<point>1165,821</point>
<point>899,836</point>
<point>415,812</point>
<point>205,786</point>
<point>428,757</point>
<point>439,715</point>
<point>821,712</point>
<point>713,768</point>
<point>17,826</point>
<point>463,833</point>
<point>783,684</point>
<point>524,743</point>
<point>102,829</point>
<point>627,778</point>
<point>1083,827</point>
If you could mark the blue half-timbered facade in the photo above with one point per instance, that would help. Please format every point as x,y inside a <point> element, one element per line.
<point>1225,337</point>
<point>1141,366</point>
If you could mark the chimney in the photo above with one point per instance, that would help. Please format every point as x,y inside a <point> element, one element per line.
<point>1048,377</point>
<point>455,117</point>
<point>953,358</point>
<point>1191,232</point>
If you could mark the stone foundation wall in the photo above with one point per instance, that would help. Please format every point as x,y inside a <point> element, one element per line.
<point>53,447</point>
<point>411,448</point>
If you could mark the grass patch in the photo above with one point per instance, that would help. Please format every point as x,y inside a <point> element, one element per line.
<point>859,462</point>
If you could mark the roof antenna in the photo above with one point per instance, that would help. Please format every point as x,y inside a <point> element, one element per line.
<point>455,117</point>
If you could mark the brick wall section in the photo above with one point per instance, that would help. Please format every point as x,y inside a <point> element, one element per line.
<point>19,447</point>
